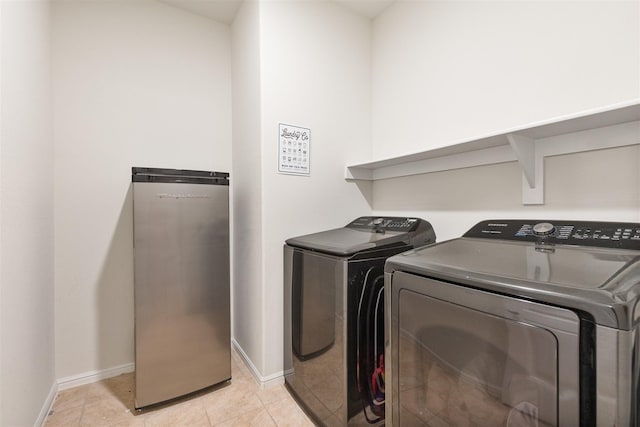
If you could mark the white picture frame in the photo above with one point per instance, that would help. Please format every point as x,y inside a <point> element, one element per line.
<point>294,150</point>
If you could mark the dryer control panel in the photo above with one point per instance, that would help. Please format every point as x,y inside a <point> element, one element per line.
<point>385,223</point>
<point>621,235</point>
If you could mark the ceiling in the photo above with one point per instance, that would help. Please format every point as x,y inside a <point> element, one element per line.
<point>219,10</point>
<point>225,10</point>
<point>367,8</point>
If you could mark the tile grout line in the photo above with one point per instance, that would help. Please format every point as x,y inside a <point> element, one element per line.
<point>276,396</point>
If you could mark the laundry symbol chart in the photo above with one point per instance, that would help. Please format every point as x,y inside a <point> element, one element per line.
<point>294,150</point>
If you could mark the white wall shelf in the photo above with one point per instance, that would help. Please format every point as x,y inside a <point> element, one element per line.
<point>608,127</point>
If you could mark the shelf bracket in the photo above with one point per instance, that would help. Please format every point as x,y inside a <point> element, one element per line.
<point>532,164</point>
<point>355,173</point>
<point>525,150</point>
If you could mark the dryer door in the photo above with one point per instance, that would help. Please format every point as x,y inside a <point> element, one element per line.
<point>467,357</point>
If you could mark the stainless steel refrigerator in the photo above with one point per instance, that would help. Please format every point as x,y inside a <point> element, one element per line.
<point>181,282</point>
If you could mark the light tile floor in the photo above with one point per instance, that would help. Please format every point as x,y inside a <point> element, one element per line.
<point>109,403</point>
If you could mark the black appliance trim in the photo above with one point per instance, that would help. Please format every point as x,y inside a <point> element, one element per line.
<point>587,370</point>
<point>603,234</point>
<point>180,176</point>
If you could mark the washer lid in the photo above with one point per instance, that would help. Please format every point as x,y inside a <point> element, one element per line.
<point>368,233</point>
<point>603,282</point>
<point>347,241</point>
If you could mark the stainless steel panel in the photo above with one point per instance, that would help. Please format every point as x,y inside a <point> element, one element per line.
<point>593,280</point>
<point>617,359</point>
<point>319,379</point>
<point>461,356</point>
<point>182,318</point>
<point>570,266</point>
<point>314,302</point>
<point>288,278</point>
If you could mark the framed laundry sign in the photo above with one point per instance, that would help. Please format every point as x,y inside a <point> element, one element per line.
<point>294,150</point>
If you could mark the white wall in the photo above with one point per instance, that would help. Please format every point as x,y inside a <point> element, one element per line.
<point>246,182</point>
<point>26,213</point>
<point>312,77</point>
<point>144,84</point>
<point>449,71</point>
<point>596,185</point>
<point>316,74</point>
<point>135,84</point>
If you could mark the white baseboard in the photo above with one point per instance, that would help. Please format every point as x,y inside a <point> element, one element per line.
<point>78,380</point>
<point>46,406</point>
<point>98,375</point>
<point>264,382</point>
<point>94,376</point>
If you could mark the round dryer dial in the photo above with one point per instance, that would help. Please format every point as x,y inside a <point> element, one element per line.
<point>543,229</point>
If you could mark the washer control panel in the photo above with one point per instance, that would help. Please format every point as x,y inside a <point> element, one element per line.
<point>623,235</point>
<point>382,223</point>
